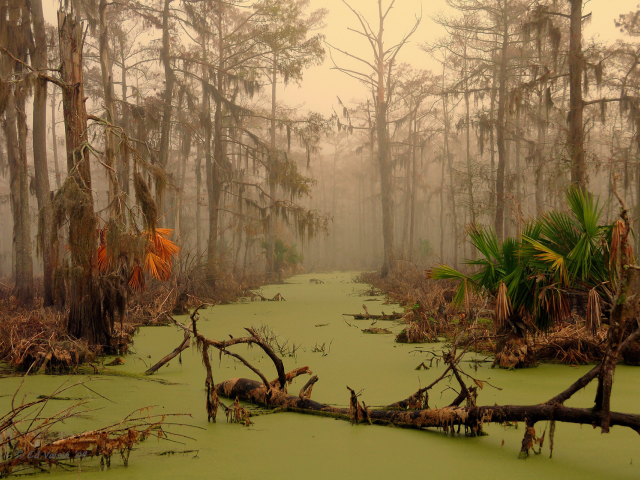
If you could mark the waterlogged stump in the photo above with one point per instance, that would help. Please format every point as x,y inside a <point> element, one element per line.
<point>375,330</point>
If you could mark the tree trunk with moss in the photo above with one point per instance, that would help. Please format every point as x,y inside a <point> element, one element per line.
<point>576,105</point>
<point>87,310</point>
<point>13,35</point>
<point>43,195</point>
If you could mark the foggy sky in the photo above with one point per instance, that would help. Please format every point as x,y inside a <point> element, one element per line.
<point>321,84</point>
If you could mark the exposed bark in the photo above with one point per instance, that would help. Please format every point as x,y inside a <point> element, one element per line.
<point>176,351</point>
<point>271,175</point>
<point>19,195</point>
<point>414,188</point>
<point>15,34</point>
<point>124,169</point>
<point>54,140</point>
<point>447,418</point>
<point>467,119</point>
<point>169,78</point>
<point>626,308</point>
<point>86,317</point>
<point>214,165</point>
<point>115,208</point>
<point>386,173</point>
<point>576,105</point>
<point>501,131</point>
<point>41,169</point>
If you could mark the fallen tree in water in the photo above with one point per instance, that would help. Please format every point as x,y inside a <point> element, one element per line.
<point>414,412</point>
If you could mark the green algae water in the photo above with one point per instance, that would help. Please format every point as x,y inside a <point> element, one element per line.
<point>289,444</point>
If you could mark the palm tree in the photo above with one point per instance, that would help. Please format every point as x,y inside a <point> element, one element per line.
<point>559,255</point>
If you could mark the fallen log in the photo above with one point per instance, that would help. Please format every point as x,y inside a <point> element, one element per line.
<point>176,351</point>
<point>471,418</point>
<point>180,348</point>
<point>359,316</point>
<point>367,316</point>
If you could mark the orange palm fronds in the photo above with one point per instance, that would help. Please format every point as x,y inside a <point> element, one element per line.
<point>103,262</point>
<point>157,267</point>
<point>103,258</point>
<point>136,281</point>
<point>160,253</point>
<point>163,247</point>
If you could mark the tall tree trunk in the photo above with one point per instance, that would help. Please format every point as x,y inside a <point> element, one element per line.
<point>86,317</point>
<point>185,151</point>
<point>540,151</point>
<point>501,130</point>
<point>407,189</point>
<point>125,168</point>
<point>165,132</point>
<point>576,105</point>
<point>107,85</point>
<point>492,143</point>
<point>384,161</point>
<point>54,140</point>
<point>271,238</point>
<point>214,184</point>
<point>15,22</point>
<point>372,189</point>
<point>472,212</point>
<point>452,190</point>
<point>39,62</point>
<point>518,187</point>
<point>198,200</point>
<point>15,129</point>
<point>414,186</point>
<point>444,163</point>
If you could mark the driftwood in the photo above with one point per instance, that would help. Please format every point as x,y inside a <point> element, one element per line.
<point>367,316</point>
<point>276,298</point>
<point>27,440</point>
<point>180,348</point>
<point>472,418</point>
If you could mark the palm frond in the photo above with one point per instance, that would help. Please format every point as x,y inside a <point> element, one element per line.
<point>156,266</point>
<point>586,211</point>
<point>136,280</point>
<point>549,258</point>
<point>462,296</point>
<point>594,311</point>
<point>102,260</point>
<point>503,306</point>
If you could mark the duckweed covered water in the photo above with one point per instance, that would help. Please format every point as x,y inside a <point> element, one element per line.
<point>293,445</point>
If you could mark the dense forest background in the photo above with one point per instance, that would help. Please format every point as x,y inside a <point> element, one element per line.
<point>190,128</point>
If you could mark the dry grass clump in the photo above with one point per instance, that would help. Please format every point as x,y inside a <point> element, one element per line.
<point>419,329</point>
<point>194,285</point>
<point>572,344</point>
<point>431,300</point>
<point>39,338</point>
<point>409,286</point>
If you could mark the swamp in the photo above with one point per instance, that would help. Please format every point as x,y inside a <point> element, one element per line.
<point>330,238</point>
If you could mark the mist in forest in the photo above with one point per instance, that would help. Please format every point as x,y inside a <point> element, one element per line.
<point>283,136</point>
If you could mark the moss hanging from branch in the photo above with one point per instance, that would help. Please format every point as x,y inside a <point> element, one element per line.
<point>145,201</point>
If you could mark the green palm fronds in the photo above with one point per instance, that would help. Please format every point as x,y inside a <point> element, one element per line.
<point>558,252</point>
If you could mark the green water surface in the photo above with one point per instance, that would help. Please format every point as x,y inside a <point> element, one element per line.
<point>294,445</point>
